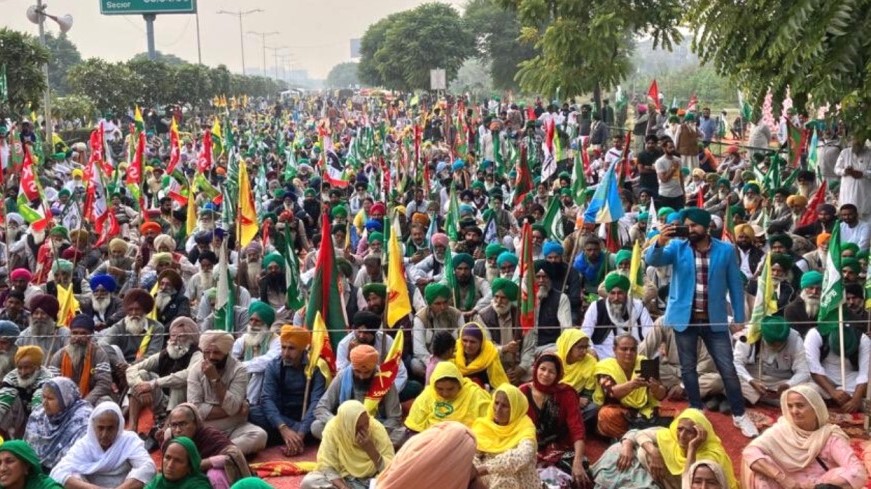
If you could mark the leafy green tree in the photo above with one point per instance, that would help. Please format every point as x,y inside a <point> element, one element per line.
<point>158,81</point>
<point>113,87</point>
<point>399,51</point>
<point>497,32</point>
<point>74,106</point>
<point>170,59</point>
<point>343,75</point>
<point>23,57</point>
<point>220,78</point>
<point>584,46</point>
<point>63,55</point>
<point>193,85</point>
<point>473,77</point>
<point>817,49</point>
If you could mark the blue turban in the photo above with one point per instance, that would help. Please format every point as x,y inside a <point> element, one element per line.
<point>458,165</point>
<point>8,329</point>
<point>552,247</point>
<point>374,225</point>
<point>104,280</point>
<point>507,257</point>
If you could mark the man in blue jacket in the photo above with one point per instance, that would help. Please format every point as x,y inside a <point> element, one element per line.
<point>705,270</point>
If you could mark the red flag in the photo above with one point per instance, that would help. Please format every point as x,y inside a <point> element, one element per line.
<point>700,198</point>
<point>693,104</point>
<point>28,180</point>
<point>134,171</point>
<point>810,213</point>
<point>204,162</point>
<point>108,226</point>
<point>549,131</point>
<point>524,178</point>
<point>653,94</point>
<point>98,151</point>
<point>527,281</point>
<point>174,148</point>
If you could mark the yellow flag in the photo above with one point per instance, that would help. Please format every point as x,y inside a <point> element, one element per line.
<point>191,222</point>
<point>247,212</point>
<point>765,302</point>
<point>398,303</point>
<point>154,290</point>
<point>634,268</point>
<point>320,354</point>
<point>69,306</point>
<point>386,376</point>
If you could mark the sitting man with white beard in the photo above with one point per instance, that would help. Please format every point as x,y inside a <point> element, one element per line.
<point>135,335</point>
<point>615,315</point>
<point>249,268</point>
<point>9,331</point>
<point>43,331</point>
<point>502,319</point>
<point>119,265</point>
<point>202,280</point>
<point>431,268</point>
<point>159,383</point>
<point>170,300</point>
<point>801,313</point>
<point>104,307</point>
<point>218,386</point>
<point>257,347</point>
<point>21,391</point>
<point>273,287</point>
<point>84,362</point>
<point>438,315</point>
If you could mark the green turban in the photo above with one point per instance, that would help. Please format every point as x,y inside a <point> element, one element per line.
<point>614,279</point>
<point>376,237</point>
<point>540,228</point>
<point>339,211</point>
<point>850,246</point>
<point>507,257</point>
<point>774,329</point>
<point>782,259</point>
<point>493,250</point>
<point>376,288</point>
<point>263,311</point>
<point>64,192</point>
<point>507,287</point>
<point>344,267</point>
<point>751,187</point>
<point>783,239</point>
<point>643,216</point>
<point>696,215</point>
<point>621,256</point>
<point>565,192</point>
<point>60,231</point>
<point>211,293</point>
<point>435,291</point>
<point>664,212</point>
<point>273,258</point>
<point>852,264</point>
<point>478,185</point>
<point>851,341</point>
<point>461,258</point>
<point>724,182</point>
<point>811,278</point>
<point>62,266</point>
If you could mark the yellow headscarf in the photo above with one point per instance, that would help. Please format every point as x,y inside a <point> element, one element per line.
<point>637,399</point>
<point>579,374</point>
<point>494,438</point>
<point>430,409</point>
<point>712,449</point>
<point>339,450</point>
<point>488,359</point>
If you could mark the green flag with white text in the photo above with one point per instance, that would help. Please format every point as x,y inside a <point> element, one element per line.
<point>832,296</point>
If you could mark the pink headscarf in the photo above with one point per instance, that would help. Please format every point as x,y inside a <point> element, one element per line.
<point>439,458</point>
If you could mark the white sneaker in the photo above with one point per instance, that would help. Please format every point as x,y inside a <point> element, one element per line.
<point>746,426</point>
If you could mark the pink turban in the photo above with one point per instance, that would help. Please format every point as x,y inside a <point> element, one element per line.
<point>439,239</point>
<point>21,274</point>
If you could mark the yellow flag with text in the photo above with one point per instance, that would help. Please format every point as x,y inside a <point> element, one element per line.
<point>398,302</point>
<point>386,375</point>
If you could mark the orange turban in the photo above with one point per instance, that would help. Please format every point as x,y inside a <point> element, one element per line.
<point>296,336</point>
<point>823,238</point>
<point>364,357</point>
<point>150,226</point>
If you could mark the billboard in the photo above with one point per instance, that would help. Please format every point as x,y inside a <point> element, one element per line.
<point>133,7</point>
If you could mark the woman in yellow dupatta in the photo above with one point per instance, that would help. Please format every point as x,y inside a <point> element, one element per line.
<point>507,449</point>
<point>661,457</point>
<point>621,392</point>
<point>478,358</point>
<point>448,397</point>
<point>573,348</point>
<point>355,448</point>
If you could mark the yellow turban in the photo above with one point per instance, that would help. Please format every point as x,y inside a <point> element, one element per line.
<point>33,352</point>
<point>118,244</point>
<point>746,230</point>
<point>796,200</point>
<point>296,336</point>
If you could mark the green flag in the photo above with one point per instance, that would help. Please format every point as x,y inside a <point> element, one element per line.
<point>225,302</point>
<point>553,220</point>
<point>832,295</point>
<point>452,220</point>
<point>4,86</point>
<point>294,291</point>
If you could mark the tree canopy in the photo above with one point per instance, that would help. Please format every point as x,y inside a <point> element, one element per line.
<point>399,51</point>
<point>343,75</point>
<point>23,57</point>
<point>497,33</point>
<point>63,55</point>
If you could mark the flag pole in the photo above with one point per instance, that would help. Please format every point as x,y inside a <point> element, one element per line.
<point>841,346</point>
<point>308,383</point>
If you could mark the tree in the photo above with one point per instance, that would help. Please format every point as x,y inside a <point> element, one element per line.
<point>817,49</point>
<point>23,57</point>
<point>497,31</point>
<point>158,81</point>
<point>63,55</point>
<point>585,46</point>
<point>343,75</point>
<point>399,51</point>
<point>73,107</point>
<point>472,78</point>
<point>220,78</point>
<point>113,87</point>
<point>193,85</point>
<point>170,59</point>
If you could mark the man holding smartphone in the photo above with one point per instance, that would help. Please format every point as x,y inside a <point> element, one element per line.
<point>705,270</point>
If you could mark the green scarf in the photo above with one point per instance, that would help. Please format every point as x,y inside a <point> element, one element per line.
<point>194,480</point>
<point>36,479</point>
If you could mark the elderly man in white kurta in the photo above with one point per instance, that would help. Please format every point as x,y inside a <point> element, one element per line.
<point>854,168</point>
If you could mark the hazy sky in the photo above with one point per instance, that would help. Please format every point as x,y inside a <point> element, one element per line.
<point>317,32</point>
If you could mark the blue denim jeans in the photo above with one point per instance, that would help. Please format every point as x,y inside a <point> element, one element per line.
<point>719,346</point>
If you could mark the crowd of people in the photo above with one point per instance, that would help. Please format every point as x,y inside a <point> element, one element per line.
<point>542,315</point>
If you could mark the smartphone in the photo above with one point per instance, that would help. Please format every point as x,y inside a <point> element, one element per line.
<point>681,232</point>
<point>650,368</point>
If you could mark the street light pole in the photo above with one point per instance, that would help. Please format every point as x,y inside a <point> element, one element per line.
<point>240,14</point>
<point>263,36</point>
<point>275,51</point>
<point>37,15</point>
